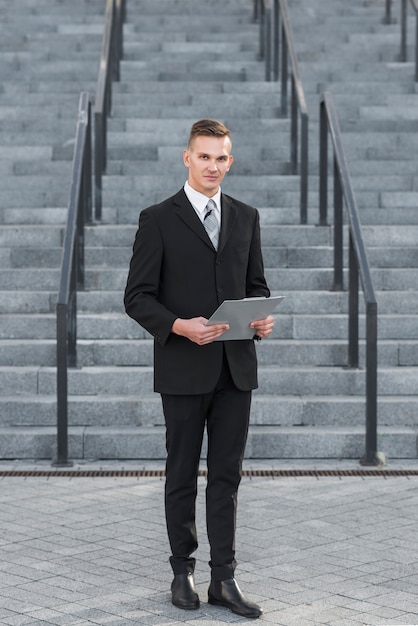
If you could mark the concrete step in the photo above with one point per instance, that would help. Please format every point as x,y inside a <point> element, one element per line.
<point>274,256</point>
<point>329,322</point>
<point>130,410</point>
<point>273,380</point>
<point>302,302</point>
<point>263,442</point>
<point>33,215</point>
<point>151,87</point>
<point>303,351</point>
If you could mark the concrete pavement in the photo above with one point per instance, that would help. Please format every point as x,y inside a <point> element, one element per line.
<point>312,550</point>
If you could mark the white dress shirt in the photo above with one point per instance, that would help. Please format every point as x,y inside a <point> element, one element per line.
<point>199,201</point>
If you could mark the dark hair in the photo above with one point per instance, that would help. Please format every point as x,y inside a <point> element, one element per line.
<point>209,128</point>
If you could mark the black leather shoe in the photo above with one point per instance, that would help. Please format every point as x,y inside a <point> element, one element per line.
<point>227,593</point>
<point>183,592</point>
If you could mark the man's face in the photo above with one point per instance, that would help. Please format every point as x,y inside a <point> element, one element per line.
<point>208,160</point>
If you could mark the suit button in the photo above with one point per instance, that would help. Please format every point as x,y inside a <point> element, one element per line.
<point>219,290</point>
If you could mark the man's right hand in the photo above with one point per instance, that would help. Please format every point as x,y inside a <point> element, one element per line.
<point>196,330</point>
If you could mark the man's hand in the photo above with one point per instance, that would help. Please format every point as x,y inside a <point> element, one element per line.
<point>196,330</point>
<point>263,327</point>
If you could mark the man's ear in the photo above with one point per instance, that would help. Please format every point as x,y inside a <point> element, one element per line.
<point>186,158</point>
<point>231,160</point>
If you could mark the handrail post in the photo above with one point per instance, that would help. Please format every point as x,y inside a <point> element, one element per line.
<point>388,12</point>
<point>276,40</point>
<point>284,55</point>
<point>372,456</point>
<point>99,150</point>
<point>267,39</point>
<point>284,75</point>
<point>111,54</point>
<point>255,10</point>
<point>353,307</point>
<point>338,231</point>
<point>262,18</point>
<point>416,46</point>
<point>61,458</point>
<point>304,166</point>
<point>403,53</point>
<point>293,128</point>
<point>323,165</point>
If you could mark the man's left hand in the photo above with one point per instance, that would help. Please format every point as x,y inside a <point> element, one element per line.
<point>263,327</point>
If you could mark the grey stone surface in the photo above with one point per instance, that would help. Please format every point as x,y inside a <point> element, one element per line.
<point>78,551</point>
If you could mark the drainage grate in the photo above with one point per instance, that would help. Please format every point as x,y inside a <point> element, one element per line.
<point>273,473</point>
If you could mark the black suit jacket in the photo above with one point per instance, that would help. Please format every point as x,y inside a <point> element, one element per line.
<point>176,272</point>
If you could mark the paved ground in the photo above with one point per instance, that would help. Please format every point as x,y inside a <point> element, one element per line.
<point>312,550</point>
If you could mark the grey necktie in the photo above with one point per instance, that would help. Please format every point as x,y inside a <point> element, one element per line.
<point>211,223</point>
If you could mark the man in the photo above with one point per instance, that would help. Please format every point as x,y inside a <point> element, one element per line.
<point>180,271</point>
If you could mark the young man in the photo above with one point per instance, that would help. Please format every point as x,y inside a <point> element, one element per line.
<point>181,270</point>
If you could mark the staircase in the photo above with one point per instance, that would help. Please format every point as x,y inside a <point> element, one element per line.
<point>183,62</point>
<point>49,52</point>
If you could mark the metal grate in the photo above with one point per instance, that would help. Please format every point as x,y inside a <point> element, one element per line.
<point>143,473</point>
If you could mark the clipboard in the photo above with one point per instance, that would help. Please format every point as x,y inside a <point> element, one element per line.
<point>240,313</point>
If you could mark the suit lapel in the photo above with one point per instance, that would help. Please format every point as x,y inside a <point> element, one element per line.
<point>187,214</point>
<point>229,216</point>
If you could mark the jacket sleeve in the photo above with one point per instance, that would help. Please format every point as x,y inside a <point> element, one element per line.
<point>256,284</point>
<point>142,288</point>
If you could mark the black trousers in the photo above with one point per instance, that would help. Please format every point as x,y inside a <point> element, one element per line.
<point>225,412</point>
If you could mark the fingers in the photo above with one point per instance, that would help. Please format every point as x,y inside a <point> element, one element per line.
<point>211,333</point>
<point>264,327</point>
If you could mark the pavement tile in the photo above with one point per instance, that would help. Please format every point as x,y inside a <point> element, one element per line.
<point>315,561</point>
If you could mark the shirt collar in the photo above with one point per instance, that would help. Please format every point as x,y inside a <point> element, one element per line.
<point>199,200</point>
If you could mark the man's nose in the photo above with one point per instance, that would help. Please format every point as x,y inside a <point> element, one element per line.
<point>213,165</point>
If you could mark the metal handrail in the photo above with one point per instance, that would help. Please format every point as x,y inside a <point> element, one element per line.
<point>72,269</point>
<point>403,56</point>
<point>275,27</point>
<point>358,264</point>
<point>403,53</point>
<point>109,70</point>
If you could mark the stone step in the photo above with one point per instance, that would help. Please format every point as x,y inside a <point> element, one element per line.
<point>274,256</point>
<point>273,380</point>
<point>289,215</point>
<point>308,302</point>
<point>53,70</point>
<point>302,302</point>
<point>235,183</point>
<point>47,237</point>
<point>365,168</point>
<point>180,53</point>
<point>20,153</point>
<point>130,410</point>
<point>15,89</point>
<point>226,8</point>
<point>33,216</point>
<point>263,442</point>
<point>290,324</point>
<point>151,87</point>
<point>273,235</point>
<point>39,199</point>
<point>191,112</point>
<point>27,113</point>
<point>284,352</point>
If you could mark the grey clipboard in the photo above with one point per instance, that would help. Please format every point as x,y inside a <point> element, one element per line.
<point>239,313</point>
